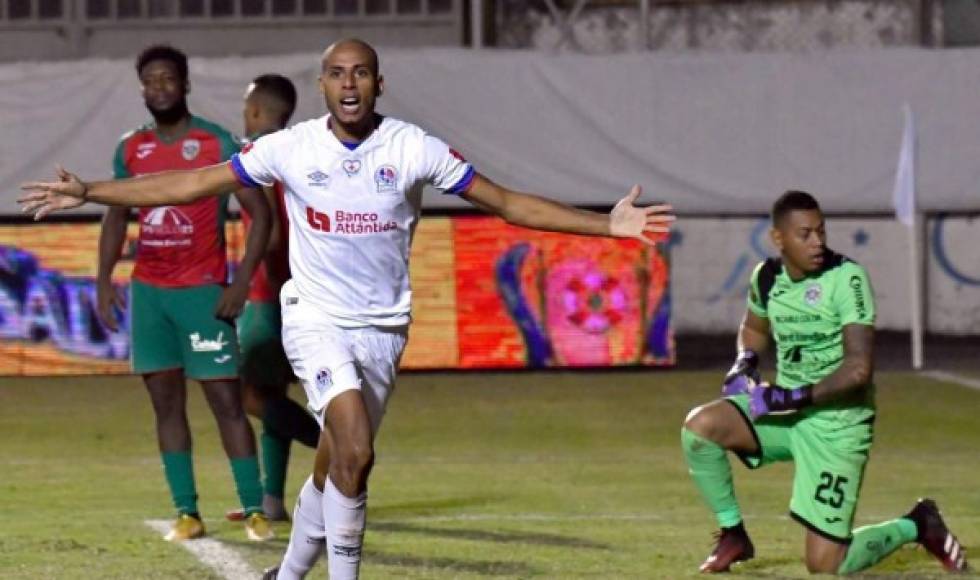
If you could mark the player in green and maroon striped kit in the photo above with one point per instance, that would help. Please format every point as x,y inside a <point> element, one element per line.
<point>182,313</point>
<point>265,370</point>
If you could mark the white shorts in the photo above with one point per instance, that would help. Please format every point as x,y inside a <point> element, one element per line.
<point>329,359</point>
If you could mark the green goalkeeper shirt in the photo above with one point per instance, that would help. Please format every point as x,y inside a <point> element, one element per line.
<point>807,319</point>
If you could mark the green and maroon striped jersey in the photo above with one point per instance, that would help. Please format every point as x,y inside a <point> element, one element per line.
<point>179,245</point>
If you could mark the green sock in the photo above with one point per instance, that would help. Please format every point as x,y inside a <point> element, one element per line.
<point>178,468</point>
<point>708,465</point>
<point>872,543</point>
<point>275,458</point>
<point>246,472</point>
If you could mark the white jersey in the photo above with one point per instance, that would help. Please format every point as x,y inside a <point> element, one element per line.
<point>352,213</point>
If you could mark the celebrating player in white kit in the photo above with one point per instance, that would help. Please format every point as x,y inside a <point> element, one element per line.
<point>353,184</point>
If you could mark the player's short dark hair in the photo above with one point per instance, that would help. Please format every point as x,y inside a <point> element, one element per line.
<point>163,52</point>
<point>792,200</point>
<point>280,89</point>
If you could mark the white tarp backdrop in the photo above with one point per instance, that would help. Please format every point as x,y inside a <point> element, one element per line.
<point>713,133</point>
<point>711,260</point>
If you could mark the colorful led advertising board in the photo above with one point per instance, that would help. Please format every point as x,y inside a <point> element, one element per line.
<point>485,294</point>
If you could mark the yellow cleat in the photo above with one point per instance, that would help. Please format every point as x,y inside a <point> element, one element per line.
<point>257,528</point>
<point>187,527</point>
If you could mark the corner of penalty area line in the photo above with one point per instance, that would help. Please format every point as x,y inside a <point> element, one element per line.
<point>225,561</point>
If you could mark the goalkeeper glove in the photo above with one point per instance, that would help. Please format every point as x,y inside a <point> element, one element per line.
<point>743,375</point>
<point>767,399</point>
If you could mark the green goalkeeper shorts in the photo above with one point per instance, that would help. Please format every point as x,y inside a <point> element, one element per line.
<point>829,465</point>
<point>175,328</point>
<point>264,362</point>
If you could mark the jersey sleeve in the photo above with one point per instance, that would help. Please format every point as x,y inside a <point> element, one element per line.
<point>756,303</point>
<point>258,163</point>
<point>853,295</point>
<point>119,169</point>
<point>445,168</point>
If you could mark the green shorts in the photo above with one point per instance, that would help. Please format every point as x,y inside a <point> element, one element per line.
<point>264,362</point>
<point>175,328</point>
<point>829,465</point>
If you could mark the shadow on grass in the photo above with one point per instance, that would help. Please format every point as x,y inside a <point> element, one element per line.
<point>485,536</point>
<point>427,507</point>
<point>903,564</point>
<point>482,567</point>
<point>767,567</point>
<point>66,545</point>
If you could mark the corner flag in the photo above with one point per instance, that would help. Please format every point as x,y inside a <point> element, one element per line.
<point>903,196</point>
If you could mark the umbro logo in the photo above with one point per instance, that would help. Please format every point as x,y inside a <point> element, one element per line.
<point>346,551</point>
<point>318,178</point>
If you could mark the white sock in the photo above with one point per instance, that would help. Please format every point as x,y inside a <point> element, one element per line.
<point>306,540</point>
<point>345,518</point>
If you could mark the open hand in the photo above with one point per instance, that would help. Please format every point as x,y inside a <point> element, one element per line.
<point>44,197</point>
<point>627,220</point>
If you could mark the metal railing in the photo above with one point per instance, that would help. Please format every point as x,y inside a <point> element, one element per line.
<point>617,25</point>
<point>50,13</point>
<point>33,13</point>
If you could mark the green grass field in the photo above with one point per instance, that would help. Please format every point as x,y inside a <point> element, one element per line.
<point>554,475</point>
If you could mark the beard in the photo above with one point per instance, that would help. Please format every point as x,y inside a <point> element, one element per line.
<point>169,116</point>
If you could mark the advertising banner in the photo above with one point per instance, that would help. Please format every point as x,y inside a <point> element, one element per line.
<point>485,295</point>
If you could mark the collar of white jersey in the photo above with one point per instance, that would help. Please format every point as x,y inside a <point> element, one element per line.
<point>338,144</point>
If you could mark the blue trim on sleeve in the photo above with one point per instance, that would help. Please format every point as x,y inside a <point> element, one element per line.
<point>463,184</point>
<point>243,177</point>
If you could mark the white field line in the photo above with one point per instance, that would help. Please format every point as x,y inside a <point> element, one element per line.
<point>948,377</point>
<point>212,553</point>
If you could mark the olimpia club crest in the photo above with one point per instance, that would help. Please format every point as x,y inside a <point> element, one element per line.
<point>324,379</point>
<point>386,178</point>
<point>190,148</point>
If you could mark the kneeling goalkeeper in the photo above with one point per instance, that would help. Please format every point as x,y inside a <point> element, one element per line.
<point>819,308</point>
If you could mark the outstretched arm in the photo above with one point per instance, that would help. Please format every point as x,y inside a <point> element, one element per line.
<point>534,211</point>
<point>165,188</point>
